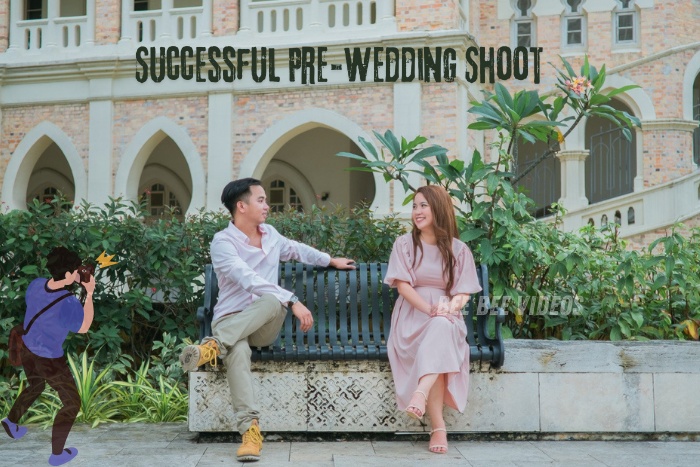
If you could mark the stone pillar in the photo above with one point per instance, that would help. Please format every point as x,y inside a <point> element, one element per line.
<point>315,21</point>
<point>100,142</point>
<point>90,26</point>
<point>246,26</point>
<point>386,17</point>
<point>108,21</point>
<point>126,33</point>
<point>668,150</point>
<point>573,178</point>
<point>52,31</point>
<point>220,157</point>
<point>15,40</point>
<point>166,20</point>
<point>207,13</point>
<point>407,123</point>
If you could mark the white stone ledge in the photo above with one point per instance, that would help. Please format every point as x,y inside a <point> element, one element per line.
<point>544,386</point>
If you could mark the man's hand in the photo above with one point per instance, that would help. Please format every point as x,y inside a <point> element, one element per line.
<point>89,285</point>
<point>342,263</point>
<point>306,321</point>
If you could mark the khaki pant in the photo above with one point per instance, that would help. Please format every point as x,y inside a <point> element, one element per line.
<point>258,325</point>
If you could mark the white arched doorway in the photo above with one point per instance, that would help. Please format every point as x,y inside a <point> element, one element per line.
<point>20,170</point>
<point>133,170</point>
<point>278,135</point>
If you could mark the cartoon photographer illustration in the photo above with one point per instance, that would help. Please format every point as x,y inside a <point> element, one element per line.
<point>52,311</point>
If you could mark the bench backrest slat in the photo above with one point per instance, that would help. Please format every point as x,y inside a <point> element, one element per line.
<point>376,312</point>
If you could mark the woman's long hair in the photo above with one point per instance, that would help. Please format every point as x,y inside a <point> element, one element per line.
<point>444,226</point>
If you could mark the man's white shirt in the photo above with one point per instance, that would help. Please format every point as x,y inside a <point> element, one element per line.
<point>246,272</point>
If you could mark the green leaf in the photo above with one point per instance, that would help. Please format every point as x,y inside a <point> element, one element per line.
<point>432,151</point>
<point>471,234</point>
<point>352,156</point>
<point>617,91</point>
<point>368,146</point>
<point>568,67</point>
<point>615,333</point>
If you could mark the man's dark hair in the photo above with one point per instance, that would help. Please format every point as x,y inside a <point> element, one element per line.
<point>238,190</point>
<point>60,261</point>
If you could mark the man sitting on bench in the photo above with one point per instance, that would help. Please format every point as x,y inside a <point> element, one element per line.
<point>250,309</point>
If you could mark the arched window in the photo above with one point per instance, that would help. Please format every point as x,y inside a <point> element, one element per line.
<point>618,218</point>
<point>626,24</point>
<point>524,26</point>
<point>574,25</point>
<point>696,116</point>
<point>280,195</point>
<point>604,220</point>
<point>630,216</point>
<point>542,183</point>
<point>158,196</point>
<point>612,163</point>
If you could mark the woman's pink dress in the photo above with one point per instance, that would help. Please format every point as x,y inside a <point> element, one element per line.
<point>418,344</point>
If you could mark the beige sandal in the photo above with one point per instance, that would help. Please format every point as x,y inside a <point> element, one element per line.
<point>432,447</point>
<point>414,405</point>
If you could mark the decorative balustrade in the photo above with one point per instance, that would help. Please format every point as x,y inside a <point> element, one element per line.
<point>169,23</point>
<point>38,34</point>
<point>643,211</point>
<point>290,16</point>
<point>50,33</point>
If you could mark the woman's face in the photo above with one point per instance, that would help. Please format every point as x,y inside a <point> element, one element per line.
<point>422,215</point>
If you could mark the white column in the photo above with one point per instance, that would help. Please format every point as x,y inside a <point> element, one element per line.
<point>245,26</point>
<point>573,179</point>
<point>220,157</point>
<point>407,123</point>
<point>90,26</point>
<point>208,12</point>
<point>100,145</point>
<point>52,31</point>
<point>126,31</point>
<point>16,39</point>
<point>638,183</point>
<point>315,16</point>
<point>166,19</point>
<point>386,14</point>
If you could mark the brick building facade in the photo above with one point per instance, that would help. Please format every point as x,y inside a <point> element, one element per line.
<point>74,118</point>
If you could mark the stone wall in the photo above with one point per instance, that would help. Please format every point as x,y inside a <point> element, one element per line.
<point>544,387</point>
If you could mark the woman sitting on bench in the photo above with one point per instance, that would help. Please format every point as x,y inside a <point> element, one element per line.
<point>434,273</point>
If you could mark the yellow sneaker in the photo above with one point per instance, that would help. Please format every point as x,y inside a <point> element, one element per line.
<point>194,356</point>
<point>251,445</point>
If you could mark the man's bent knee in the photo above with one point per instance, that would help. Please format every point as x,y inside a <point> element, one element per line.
<point>270,303</point>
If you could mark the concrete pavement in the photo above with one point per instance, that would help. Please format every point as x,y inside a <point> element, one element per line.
<point>171,445</point>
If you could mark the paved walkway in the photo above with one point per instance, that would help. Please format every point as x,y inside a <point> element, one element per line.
<point>171,445</point>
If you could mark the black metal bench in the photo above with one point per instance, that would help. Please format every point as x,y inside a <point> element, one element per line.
<point>352,315</point>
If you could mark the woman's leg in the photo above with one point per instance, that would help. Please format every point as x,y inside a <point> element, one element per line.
<point>419,399</point>
<point>436,399</point>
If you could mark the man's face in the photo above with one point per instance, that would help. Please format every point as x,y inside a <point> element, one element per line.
<point>255,209</point>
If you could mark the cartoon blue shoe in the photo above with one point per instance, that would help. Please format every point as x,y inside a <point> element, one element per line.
<point>66,456</point>
<point>13,430</point>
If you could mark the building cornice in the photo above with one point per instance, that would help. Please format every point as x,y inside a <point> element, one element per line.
<point>676,124</point>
